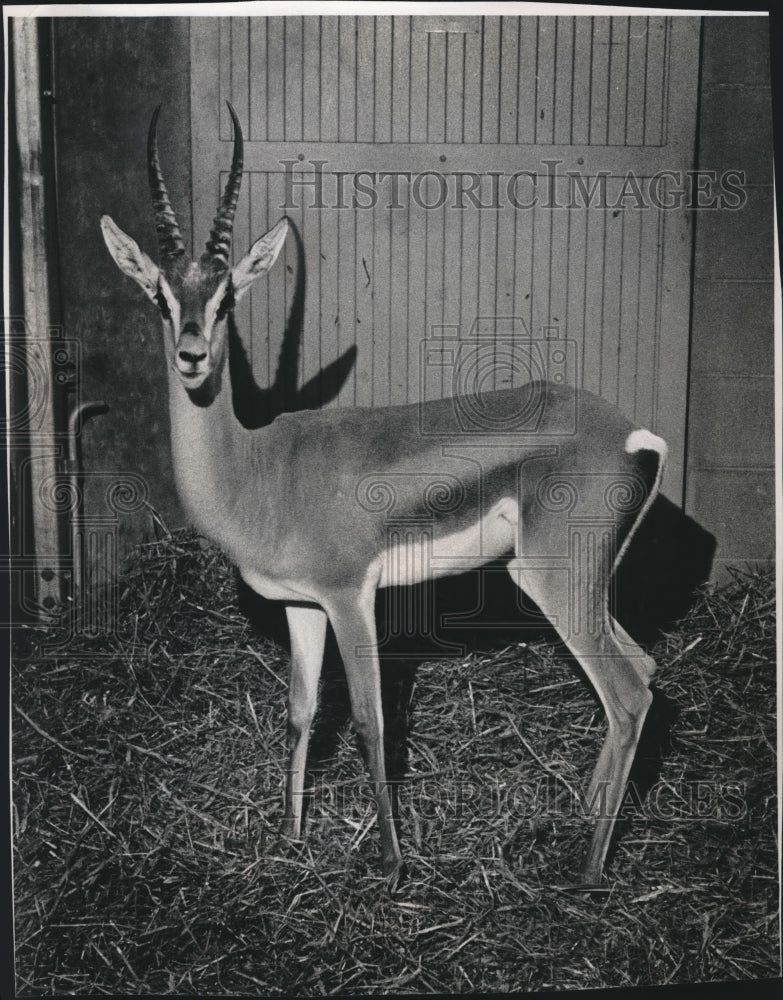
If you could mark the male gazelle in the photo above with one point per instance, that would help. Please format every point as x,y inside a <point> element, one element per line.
<point>552,478</point>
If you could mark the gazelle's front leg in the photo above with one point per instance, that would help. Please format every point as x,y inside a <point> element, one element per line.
<point>353,619</point>
<point>307,628</point>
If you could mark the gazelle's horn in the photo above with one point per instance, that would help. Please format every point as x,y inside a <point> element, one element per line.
<point>219,243</point>
<point>170,241</point>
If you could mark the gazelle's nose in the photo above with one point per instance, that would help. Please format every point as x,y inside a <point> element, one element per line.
<point>191,357</point>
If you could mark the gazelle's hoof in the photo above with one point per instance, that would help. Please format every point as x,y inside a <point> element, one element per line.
<point>287,845</point>
<point>395,873</point>
<point>591,880</point>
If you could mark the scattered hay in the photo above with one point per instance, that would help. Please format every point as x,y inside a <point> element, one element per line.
<point>148,770</point>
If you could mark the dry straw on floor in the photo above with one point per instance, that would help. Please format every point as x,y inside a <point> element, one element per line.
<point>147,793</point>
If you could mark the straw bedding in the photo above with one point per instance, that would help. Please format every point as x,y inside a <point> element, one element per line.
<point>148,767</point>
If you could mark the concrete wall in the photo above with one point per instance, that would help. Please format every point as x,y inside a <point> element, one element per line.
<point>730,469</point>
<point>110,73</point>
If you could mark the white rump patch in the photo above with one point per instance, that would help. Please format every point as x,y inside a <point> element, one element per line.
<point>644,440</point>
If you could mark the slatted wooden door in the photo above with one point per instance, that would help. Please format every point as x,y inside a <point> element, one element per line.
<point>461,187</point>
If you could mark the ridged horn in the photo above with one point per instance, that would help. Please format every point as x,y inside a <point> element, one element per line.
<point>170,241</point>
<point>219,243</point>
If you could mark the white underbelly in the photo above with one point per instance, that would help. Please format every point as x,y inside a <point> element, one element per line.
<point>418,556</point>
<point>424,557</point>
<point>275,590</point>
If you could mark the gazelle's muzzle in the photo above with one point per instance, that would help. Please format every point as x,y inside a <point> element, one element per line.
<point>192,355</point>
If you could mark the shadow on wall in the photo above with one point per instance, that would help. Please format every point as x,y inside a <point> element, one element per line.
<point>255,406</point>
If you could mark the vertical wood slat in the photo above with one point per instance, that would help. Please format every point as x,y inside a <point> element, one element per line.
<point>293,80</point>
<point>541,276</point>
<point>258,69</point>
<point>630,317</point>
<point>599,80</point>
<point>472,76</point>
<point>365,79</point>
<point>523,265</point>
<point>312,336</point>
<point>469,257</point>
<point>225,63</point>
<point>545,105</point>
<point>381,266</point>
<point>36,309</point>
<point>558,268</point>
<point>434,255</point>
<point>436,86</point>
<point>610,319</point>
<point>506,267</point>
<point>637,80</point>
<point>329,84</point>
<point>582,81</point>
<point>454,89</point>
<point>312,83</point>
<point>401,79</point>
<point>527,85</point>
<point>618,82</point>
<point>401,371</point>
<point>452,268</point>
<point>490,84</point>
<point>419,60</point>
<point>382,80</point>
<point>576,289</point>
<point>487,273</point>
<point>509,71</point>
<point>365,315</point>
<point>564,81</point>
<point>348,70</point>
<point>648,311</point>
<point>656,50</point>
<point>593,309</point>
<point>679,127</point>
<point>417,323</point>
<point>329,318</point>
<point>239,93</point>
<point>348,330</point>
<point>276,75</point>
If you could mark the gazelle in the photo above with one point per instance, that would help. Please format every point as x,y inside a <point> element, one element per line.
<point>552,478</point>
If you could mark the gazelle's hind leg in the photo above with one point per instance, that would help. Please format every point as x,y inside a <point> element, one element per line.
<point>620,672</point>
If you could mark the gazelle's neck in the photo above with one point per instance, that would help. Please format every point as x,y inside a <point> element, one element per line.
<point>210,451</point>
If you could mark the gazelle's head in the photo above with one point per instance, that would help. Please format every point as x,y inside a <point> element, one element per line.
<point>195,298</point>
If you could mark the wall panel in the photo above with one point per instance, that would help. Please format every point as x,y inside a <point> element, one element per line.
<point>481,232</point>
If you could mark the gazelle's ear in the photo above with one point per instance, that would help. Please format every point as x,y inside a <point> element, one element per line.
<point>260,258</point>
<point>130,258</point>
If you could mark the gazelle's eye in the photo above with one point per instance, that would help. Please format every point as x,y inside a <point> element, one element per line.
<point>226,305</point>
<point>163,305</point>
